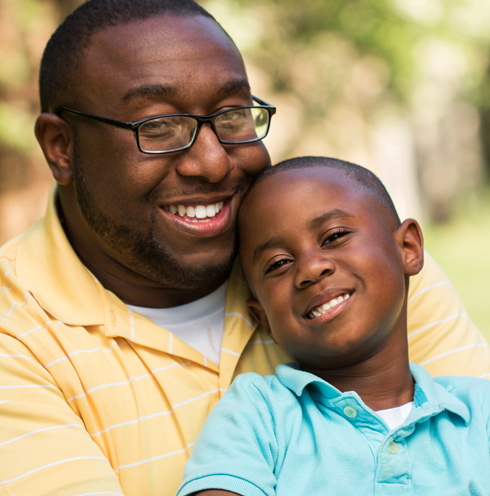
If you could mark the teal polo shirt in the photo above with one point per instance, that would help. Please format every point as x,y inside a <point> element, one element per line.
<point>294,434</point>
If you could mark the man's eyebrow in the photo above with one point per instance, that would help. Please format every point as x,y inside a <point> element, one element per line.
<point>233,86</point>
<point>264,246</point>
<point>149,91</point>
<point>161,90</point>
<point>333,214</point>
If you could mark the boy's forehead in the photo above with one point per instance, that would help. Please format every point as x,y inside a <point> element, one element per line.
<point>293,199</point>
<point>333,186</point>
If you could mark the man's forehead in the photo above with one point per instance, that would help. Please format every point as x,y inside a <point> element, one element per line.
<point>170,29</point>
<point>161,55</point>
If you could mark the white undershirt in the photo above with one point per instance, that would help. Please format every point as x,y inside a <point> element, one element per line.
<point>395,417</point>
<point>200,324</point>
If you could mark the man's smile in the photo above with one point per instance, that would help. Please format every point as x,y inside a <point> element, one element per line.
<point>200,219</point>
<point>197,213</point>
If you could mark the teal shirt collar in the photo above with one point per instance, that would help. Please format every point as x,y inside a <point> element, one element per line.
<point>430,398</point>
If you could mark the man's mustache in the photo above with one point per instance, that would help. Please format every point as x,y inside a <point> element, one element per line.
<point>207,190</point>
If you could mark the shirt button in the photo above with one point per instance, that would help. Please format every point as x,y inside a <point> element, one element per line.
<point>350,411</point>
<point>393,447</point>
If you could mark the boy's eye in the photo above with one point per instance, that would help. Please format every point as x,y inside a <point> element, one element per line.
<point>276,264</point>
<point>335,236</point>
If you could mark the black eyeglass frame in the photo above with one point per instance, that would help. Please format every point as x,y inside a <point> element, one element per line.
<point>201,119</point>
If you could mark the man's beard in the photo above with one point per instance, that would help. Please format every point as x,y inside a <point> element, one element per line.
<point>141,251</point>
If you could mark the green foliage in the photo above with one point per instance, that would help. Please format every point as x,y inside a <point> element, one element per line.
<point>461,247</point>
<point>390,30</point>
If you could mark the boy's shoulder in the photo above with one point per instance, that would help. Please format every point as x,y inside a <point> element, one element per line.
<point>286,385</point>
<point>467,396</point>
<point>466,388</point>
<point>266,384</point>
<point>472,391</point>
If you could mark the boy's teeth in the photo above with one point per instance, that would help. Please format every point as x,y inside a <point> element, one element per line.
<point>316,312</point>
<point>196,211</point>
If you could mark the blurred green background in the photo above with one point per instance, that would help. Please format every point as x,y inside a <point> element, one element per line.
<point>399,86</point>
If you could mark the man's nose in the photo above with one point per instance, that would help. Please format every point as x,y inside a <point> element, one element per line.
<point>207,158</point>
<point>312,269</point>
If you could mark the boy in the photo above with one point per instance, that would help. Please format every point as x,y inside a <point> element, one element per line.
<point>328,262</point>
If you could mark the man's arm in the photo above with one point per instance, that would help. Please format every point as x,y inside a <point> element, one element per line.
<point>44,446</point>
<point>441,336</point>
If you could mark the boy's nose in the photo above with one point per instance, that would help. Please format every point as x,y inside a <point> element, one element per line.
<point>312,270</point>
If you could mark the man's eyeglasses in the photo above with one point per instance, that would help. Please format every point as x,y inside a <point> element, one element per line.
<point>176,132</point>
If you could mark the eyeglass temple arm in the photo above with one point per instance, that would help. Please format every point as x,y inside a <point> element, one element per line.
<point>120,124</point>
<point>265,104</point>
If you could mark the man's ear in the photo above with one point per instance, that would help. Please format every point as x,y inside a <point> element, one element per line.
<point>54,136</point>
<point>410,239</point>
<point>258,313</point>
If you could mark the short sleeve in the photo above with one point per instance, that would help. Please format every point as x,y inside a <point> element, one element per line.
<point>236,449</point>
<point>44,446</point>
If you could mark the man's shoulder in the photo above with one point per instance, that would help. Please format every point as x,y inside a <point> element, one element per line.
<point>12,292</point>
<point>8,255</point>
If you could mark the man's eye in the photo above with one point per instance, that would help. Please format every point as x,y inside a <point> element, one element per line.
<point>161,127</point>
<point>277,265</point>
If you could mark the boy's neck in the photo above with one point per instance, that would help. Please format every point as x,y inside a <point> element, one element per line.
<point>383,381</point>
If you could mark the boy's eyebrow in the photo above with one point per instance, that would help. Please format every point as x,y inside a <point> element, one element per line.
<point>312,224</point>
<point>333,214</point>
<point>264,246</point>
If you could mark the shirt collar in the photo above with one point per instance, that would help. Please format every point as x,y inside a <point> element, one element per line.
<point>429,395</point>
<point>50,269</point>
<point>435,394</point>
<point>297,380</point>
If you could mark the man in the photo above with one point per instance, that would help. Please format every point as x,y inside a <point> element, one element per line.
<point>123,321</point>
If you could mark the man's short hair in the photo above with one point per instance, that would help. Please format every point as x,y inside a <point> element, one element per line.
<point>360,176</point>
<point>65,47</point>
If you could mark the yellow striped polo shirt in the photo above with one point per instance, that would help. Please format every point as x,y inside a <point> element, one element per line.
<point>96,399</point>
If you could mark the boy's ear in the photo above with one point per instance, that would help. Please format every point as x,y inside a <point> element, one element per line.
<point>410,239</point>
<point>258,313</point>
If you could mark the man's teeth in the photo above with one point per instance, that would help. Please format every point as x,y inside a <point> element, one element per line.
<point>198,212</point>
<point>316,312</point>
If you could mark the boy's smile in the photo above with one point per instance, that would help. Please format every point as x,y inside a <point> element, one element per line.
<point>327,262</point>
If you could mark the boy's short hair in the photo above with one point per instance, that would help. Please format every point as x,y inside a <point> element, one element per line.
<point>360,176</point>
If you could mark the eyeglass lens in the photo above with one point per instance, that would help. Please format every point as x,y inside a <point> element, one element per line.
<point>174,133</point>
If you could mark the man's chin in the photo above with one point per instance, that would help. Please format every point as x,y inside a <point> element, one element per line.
<point>147,252</point>
<point>172,269</point>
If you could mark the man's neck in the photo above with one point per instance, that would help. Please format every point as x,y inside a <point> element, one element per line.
<point>132,288</point>
<point>142,292</point>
